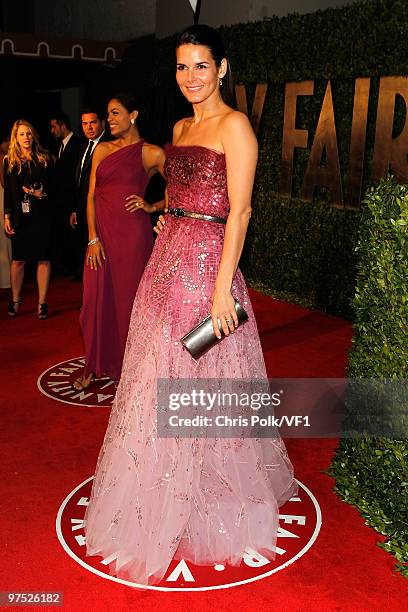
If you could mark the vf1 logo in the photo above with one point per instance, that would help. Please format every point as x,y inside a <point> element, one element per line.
<point>299,526</point>
<point>57,383</point>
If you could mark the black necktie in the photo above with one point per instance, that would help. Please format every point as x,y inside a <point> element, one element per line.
<point>88,152</point>
<point>87,156</point>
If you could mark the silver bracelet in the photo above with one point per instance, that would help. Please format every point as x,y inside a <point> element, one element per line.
<point>93,241</point>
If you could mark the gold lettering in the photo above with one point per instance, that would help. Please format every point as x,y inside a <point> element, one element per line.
<point>357,143</point>
<point>257,107</point>
<point>390,153</point>
<point>292,137</point>
<point>327,175</point>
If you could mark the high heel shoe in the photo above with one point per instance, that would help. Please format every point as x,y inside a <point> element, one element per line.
<point>11,311</point>
<point>83,382</point>
<point>43,312</point>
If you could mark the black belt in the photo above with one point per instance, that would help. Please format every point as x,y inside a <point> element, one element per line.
<point>180,212</point>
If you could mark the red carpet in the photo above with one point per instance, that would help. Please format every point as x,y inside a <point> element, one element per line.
<point>50,447</point>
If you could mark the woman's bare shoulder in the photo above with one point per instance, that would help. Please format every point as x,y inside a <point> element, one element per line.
<point>235,129</point>
<point>105,146</point>
<point>180,126</point>
<point>152,148</point>
<point>153,154</point>
<point>234,119</point>
<point>102,150</point>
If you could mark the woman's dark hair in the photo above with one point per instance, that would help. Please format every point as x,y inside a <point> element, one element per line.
<point>134,102</point>
<point>207,36</point>
<point>128,100</point>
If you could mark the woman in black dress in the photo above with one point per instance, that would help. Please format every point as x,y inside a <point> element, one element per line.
<point>27,211</point>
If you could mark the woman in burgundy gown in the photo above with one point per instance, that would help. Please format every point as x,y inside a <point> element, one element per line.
<point>206,500</point>
<point>120,239</point>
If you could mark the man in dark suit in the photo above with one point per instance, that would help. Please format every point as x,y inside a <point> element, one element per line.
<point>93,126</point>
<point>65,189</point>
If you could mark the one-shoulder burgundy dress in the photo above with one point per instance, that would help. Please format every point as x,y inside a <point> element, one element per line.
<point>127,239</point>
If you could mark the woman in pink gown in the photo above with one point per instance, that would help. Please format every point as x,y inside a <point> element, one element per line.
<point>121,239</point>
<point>201,499</point>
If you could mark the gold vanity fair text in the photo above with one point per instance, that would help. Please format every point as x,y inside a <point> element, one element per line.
<point>323,168</point>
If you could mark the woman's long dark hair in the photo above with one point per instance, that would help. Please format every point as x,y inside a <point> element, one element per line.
<point>204,35</point>
<point>133,102</point>
<point>128,100</point>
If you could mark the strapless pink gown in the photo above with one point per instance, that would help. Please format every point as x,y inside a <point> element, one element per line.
<point>204,500</point>
<point>127,239</point>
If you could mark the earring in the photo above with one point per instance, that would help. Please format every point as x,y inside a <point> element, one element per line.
<point>132,121</point>
<point>220,82</point>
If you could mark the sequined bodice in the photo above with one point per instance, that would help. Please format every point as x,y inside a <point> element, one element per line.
<point>197,180</point>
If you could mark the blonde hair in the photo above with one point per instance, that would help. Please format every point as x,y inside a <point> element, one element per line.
<point>14,153</point>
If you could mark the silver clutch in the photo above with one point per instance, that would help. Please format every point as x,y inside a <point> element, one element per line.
<point>201,338</point>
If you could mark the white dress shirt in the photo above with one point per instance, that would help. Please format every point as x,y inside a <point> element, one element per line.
<point>95,142</point>
<point>64,143</point>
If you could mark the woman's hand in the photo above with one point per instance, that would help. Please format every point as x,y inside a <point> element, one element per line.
<point>161,220</point>
<point>36,193</point>
<point>8,228</point>
<point>95,255</point>
<point>159,224</point>
<point>223,310</point>
<point>135,202</point>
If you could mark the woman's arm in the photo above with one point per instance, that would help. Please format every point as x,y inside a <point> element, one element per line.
<point>95,253</point>
<point>135,202</point>
<point>11,193</point>
<point>241,154</point>
<point>153,161</point>
<point>161,220</point>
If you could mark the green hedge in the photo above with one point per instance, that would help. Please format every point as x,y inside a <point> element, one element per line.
<point>301,251</point>
<point>372,473</point>
<point>366,38</point>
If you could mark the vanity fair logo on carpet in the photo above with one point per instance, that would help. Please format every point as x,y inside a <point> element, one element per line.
<point>299,526</point>
<point>57,383</point>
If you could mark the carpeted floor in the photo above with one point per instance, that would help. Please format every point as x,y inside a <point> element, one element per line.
<point>49,447</point>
